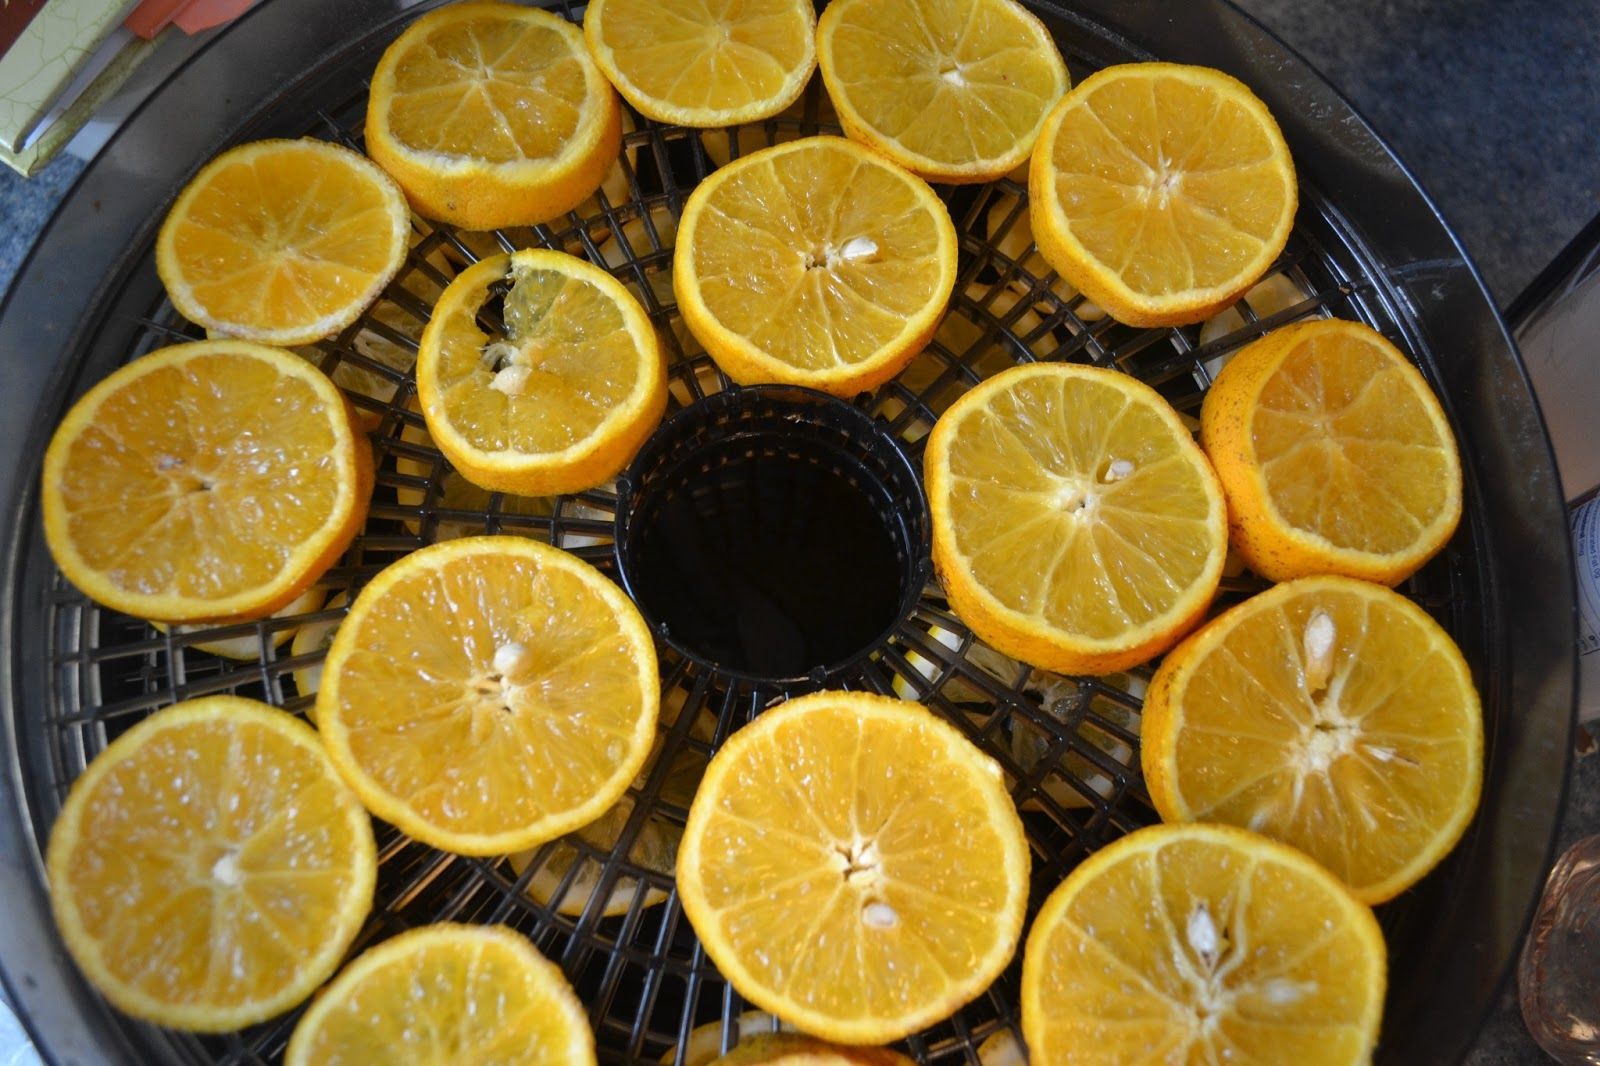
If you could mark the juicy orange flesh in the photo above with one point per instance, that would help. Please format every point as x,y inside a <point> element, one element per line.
<point>143,871</point>
<point>571,336</point>
<point>433,721</point>
<point>776,853</point>
<point>1390,721</point>
<point>712,55</point>
<point>282,238</point>
<point>488,87</point>
<point>446,1002</point>
<point>180,486</point>
<point>775,262</point>
<point>1169,184</point>
<point>1044,529</point>
<point>1348,449</point>
<point>1124,982</point>
<point>947,81</point>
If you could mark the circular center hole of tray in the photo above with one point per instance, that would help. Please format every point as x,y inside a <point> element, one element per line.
<point>772,533</point>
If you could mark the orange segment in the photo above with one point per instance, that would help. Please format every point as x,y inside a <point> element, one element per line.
<point>492,115</point>
<point>560,398</point>
<point>229,510</point>
<point>1328,713</point>
<point>209,869</point>
<point>814,263</point>
<point>282,242</point>
<point>446,993</point>
<point>817,871</point>
<point>693,63</point>
<point>953,92</point>
<point>1202,944</point>
<point>1161,192</point>
<point>1076,526</point>
<point>488,694</point>
<point>1335,455</point>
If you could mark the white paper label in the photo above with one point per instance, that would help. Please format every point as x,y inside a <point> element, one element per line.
<point>1586,553</point>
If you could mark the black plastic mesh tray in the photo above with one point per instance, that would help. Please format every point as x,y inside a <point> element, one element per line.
<point>1069,745</point>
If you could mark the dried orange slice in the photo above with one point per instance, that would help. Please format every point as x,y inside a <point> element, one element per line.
<point>704,1045</point>
<point>492,115</point>
<point>563,394</point>
<point>247,646</point>
<point>694,64</point>
<point>817,871</point>
<point>952,92</point>
<point>488,694</point>
<point>1161,192</point>
<point>791,1049</point>
<point>446,993</point>
<point>210,869</point>
<point>208,481</point>
<point>1202,943</point>
<point>1335,455</point>
<point>282,242</point>
<point>814,263</point>
<point>1330,714</point>
<point>1076,525</point>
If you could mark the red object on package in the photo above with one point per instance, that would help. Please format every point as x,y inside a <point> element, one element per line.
<point>199,15</point>
<point>151,17</point>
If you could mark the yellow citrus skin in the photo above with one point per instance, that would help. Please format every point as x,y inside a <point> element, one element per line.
<point>976,462</point>
<point>1167,218</point>
<point>1365,752</point>
<point>189,840</point>
<point>469,164</point>
<point>836,287</point>
<point>1335,455</point>
<point>595,388</point>
<point>1202,944</point>
<point>180,522</point>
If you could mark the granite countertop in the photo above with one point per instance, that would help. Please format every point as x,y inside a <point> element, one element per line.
<point>1451,84</point>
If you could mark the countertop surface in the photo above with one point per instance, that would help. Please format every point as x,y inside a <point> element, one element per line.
<point>1491,103</point>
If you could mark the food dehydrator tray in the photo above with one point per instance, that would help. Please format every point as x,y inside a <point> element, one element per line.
<point>1367,245</point>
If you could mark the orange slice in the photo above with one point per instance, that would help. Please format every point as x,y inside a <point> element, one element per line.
<point>282,242</point>
<point>952,92</point>
<point>817,871</point>
<point>446,993</point>
<point>492,115</point>
<point>209,869</point>
<point>228,511</point>
<point>694,64</point>
<point>814,263</point>
<point>488,694</point>
<point>1328,713</point>
<point>1161,192</point>
<point>1076,525</point>
<point>1202,944</point>
<point>1335,455</point>
<point>563,394</point>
